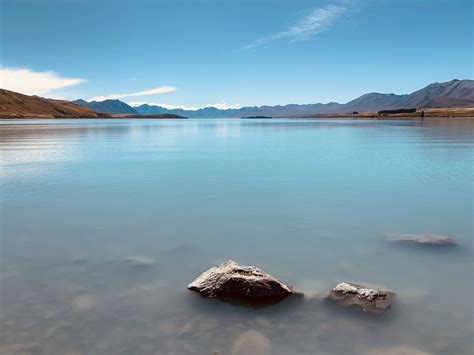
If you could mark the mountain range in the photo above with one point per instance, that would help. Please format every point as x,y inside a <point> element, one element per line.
<point>455,97</point>
<point>454,93</point>
<point>108,106</point>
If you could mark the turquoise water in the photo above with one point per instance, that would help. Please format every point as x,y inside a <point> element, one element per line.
<point>309,201</point>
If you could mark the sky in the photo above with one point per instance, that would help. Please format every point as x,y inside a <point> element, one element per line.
<point>232,53</point>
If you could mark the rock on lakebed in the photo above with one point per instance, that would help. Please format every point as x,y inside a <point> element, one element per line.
<point>232,282</point>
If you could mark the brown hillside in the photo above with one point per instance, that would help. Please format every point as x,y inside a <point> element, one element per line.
<point>16,105</point>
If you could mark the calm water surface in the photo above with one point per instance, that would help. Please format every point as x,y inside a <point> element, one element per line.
<point>310,201</point>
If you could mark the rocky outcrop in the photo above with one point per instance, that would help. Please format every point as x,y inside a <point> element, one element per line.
<point>231,282</point>
<point>369,299</point>
<point>422,239</point>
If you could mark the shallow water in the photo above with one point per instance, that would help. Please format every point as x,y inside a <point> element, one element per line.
<point>309,201</point>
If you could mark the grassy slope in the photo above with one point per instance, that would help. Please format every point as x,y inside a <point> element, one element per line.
<point>16,105</point>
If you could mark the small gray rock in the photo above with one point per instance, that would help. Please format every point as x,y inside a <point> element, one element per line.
<point>422,239</point>
<point>139,261</point>
<point>369,299</point>
<point>231,282</point>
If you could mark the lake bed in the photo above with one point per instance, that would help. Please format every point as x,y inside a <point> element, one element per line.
<point>104,224</point>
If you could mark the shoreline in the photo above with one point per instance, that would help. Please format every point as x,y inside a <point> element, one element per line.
<point>465,113</point>
<point>375,118</point>
<point>313,117</point>
<point>455,112</point>
<point>93,118</point>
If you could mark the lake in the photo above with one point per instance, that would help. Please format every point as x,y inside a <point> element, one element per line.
<point>105,222</point>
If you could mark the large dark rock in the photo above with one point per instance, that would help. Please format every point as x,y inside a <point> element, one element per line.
<point>422,239</point>
<point>231,282</point>
<point>368,299</point>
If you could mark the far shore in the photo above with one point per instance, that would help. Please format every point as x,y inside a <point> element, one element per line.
<point>162,116</point>
<point>455,112</point>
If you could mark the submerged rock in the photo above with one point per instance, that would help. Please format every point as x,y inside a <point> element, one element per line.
<point>232,282</point>
<point>369,299</point>
<point>422,239</point>
<point>251,342</point>
<point>139,261</point>
<point>397,350</point>
<point>84,303</point>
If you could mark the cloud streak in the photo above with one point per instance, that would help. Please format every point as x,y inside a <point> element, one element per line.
<point>30,82</point>
<point>155,91</point>
<point>316,21</point>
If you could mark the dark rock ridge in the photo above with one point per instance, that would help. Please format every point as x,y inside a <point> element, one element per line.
<point>422,239</point>
<point>399,110</point>
<point>368,299</point>
<point>231,282</point>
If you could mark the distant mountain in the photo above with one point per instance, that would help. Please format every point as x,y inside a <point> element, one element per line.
<point>212,112</point>
<point>454,93</point>
<point>207,112</point>
<point>108,106</point>
<point>448,95</point>
<point>451,93</point>
<point>16,105</point>
<point>373,101</point>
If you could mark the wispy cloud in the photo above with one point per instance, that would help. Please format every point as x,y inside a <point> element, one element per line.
<point>316,21</point>
<point>31,82</point>
<point>155,91</point>
<point>221,105</point>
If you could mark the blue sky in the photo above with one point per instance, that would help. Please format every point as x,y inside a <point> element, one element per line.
<point>228,53</point>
